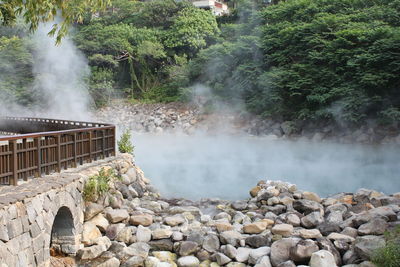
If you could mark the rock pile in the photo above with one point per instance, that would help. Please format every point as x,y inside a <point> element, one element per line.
<point>172,117</point>
<point>278,226</point>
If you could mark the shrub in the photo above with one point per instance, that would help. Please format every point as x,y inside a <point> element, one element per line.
<point>97,185</point>
<point>389,255</point>
<point>125,144</point>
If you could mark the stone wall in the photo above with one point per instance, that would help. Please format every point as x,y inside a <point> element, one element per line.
<point>43,213</point>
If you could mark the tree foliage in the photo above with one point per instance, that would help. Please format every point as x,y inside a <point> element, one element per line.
<point>38,11</point>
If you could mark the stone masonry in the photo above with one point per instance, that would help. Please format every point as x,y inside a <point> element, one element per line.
<point>33,212</point>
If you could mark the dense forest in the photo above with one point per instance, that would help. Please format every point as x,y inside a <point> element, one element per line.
<point>295,60</point>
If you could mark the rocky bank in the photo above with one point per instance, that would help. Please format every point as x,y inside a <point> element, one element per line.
<point>191,118</point>
<point>278,225</point>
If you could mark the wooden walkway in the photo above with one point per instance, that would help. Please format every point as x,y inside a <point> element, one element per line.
<point>31,147</point>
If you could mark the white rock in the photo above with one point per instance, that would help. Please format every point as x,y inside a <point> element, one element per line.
<point>143,234</point>
<point>188,261</point>
<point>322,258</point>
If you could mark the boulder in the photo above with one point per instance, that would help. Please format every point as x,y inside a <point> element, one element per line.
<point>90,233</point>
<point>124,235</point>
<point>310,233</point>
<point>282,229</point>
<point>174,220</point>
<point>256,254</point>
<point>141,219</point>
<point>161,233</point>
<point>311,196</point>
<point>143,234</point>
<point>322,258</point>
<point>113,230</point>
<point>280,250</point>
<point>365,246</point>
<point>211,243</point>
<point>91,210</point>
<point>242,254</point>
<point>337,236</point>
<point>230,237</point>
<point>117,215</point>
<point>377,226</point>
<point>312,220</point>
<point>257,227</point>
<point>306,206</point>
<point>100,221</point>
<point>256,241</point>
<point>187,248</point>
<point>302,251</point>
<point>222,259</point>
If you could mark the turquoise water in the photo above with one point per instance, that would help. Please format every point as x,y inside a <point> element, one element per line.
<point>229,166</point>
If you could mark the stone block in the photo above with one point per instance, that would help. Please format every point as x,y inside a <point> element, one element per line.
<point>14,228</point>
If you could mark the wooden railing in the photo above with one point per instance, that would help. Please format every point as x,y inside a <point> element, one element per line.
<point>35,146</point>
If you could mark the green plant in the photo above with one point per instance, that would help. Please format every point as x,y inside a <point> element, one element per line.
<point>125,144</point>
<point>389,255</point>
<point>98,185</point>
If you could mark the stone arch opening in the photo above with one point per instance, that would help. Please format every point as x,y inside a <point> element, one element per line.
<point>63,233</point>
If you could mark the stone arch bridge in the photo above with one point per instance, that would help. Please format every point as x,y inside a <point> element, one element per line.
<point>41,215</point>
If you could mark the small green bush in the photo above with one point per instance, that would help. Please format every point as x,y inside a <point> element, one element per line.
<point>125,144</point>
<point>98,185</point>
<point>389,255</point>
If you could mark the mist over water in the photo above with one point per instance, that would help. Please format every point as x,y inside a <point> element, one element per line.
<point>228,167</point>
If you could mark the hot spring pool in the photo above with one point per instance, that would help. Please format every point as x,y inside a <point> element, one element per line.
<point>228,167</point>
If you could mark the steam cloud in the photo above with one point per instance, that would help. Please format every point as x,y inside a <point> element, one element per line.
<point>59,83</point>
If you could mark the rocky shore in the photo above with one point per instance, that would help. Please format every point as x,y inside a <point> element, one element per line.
<point>189,118</point>
<point>278,225</point>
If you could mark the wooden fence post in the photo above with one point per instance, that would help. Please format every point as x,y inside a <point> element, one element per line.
<point>58,152</point>
<point>104,144</point>
<point>74,151</point>
<point>38,157</point>
<point>14,162</point>
<point>90,146</point>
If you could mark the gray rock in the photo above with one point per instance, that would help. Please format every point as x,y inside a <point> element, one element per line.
<point>139,249</point>
<point>143,234</point>
<point>229,251</point>
<point>325,244</point>
<point>222,259</point>
<point>376,226</point>
<point>306,206</point>
<point>312,220</point>
<point>135,261</point>
<point>322,258</point>
<point>187,248</point>
<point>301,253</point>
<point>231,237</point>
<point>211,243</point>
<point>280,250</point>
<point>365,246</point>
<point>327,228</point>
<point>287,264</point>
<point>112,262</point>
<point>239,205</point>
<point>161,245</point>
<point>257,241</point>
<point>263,262</point>
<point>242,254</point>
<point>188,261</point>
<point>113,230</point>
<point>256,254</point>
